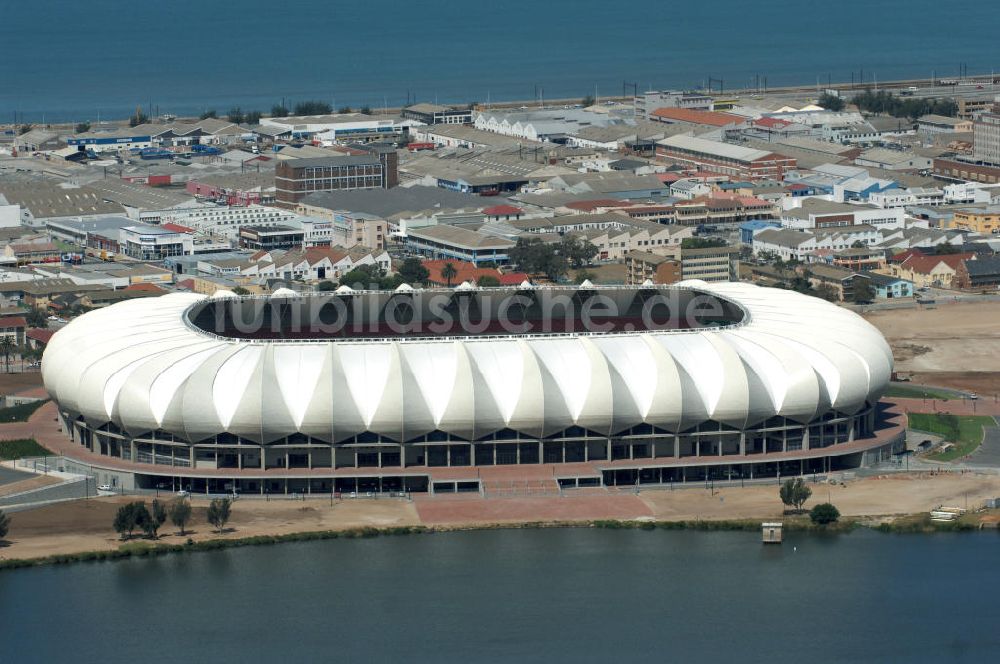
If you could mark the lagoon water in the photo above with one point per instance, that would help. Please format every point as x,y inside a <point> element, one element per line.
<point>74,60</point>
<point>573,595</point>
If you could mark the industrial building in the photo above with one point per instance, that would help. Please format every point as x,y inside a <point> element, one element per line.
<point>294,179</point>
<point>716,157</point>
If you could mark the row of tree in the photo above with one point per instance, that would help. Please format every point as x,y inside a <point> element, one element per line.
<point>553,260</point>
<point>903,107</point>
<point>136,516</point>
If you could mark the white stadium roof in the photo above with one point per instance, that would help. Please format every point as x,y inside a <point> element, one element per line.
<point>143,366</point>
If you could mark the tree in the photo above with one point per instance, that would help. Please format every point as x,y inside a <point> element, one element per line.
<point>82,127</point>
<point>487,281</point>
<point>831,102</point>
<point>279,111</point>
<point>4,525</point>
<point>864,292</point>
<point>326,286</point>
<point>703,243</point>
<point>883,102</point>
<point>7,346</point>
<point>535,256</point>
<point>240,290</point>
<point>36,318</point>
<point>827,292</point>
<point>823,514</point>
<point>251,117</point>
<point>794,493</point>
<point>138,118</point>
<point>24,129</point>
<point>157,515</point>
<point>219,511</point>
<point>367,110</point>
<point>448,272</point>
<point>588,101</point>
<point>345,109</point>
<point>412,271</point>
<point>364,277</point>
<point>210,113</point>
<point>313,108</point>
<point>578,251</point>
<point>180,513</point>
<point>129,517</point>
<point>584,275</point>
<point>236,115</point>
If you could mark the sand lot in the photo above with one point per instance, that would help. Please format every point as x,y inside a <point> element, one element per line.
<point>941,345</point>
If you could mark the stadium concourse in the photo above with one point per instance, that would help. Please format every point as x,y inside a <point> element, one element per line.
<point>470,389</point>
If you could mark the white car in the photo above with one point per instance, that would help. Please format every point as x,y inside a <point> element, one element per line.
<point>183,493</point>
<point>104,487</point>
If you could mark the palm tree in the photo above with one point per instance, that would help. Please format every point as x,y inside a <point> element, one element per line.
<point>448,272</point>
<point>7,346</point>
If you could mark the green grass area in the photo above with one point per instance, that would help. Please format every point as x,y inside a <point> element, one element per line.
<point>21,412</point>
<point>919,392</point>
<point>965,431</point>
<point>15,449</point>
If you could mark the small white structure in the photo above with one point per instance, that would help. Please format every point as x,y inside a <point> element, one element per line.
<point>771,532</point>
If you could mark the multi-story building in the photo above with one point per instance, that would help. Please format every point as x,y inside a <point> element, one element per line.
<point>818,213</point>
<point>985,220</point>
<point>648,102</point>
<point>710,263</point>
<point>349,229</point>
<point>941,124</point>
<point>717,157</point>
<point>154,243</point>
<point>271,237</point>
<point>443,241</point>
<point>294,179</point>
<point>968,108</point>
<point>983,273</point>
<point>986,138</point>
<point>224,221</point>
<point>956,169</point>
<point>432,114</point>
<point>642,265</point>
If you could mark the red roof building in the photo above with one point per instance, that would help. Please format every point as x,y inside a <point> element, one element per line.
<point>176,228</point>
<point>37,337</point>
<point>148,288</point>
<point>694,116</point>
<point>13,326</point>
<point>771,123</point>
<point>505,212</point>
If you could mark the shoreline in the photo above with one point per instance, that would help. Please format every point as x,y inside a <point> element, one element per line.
<point>809,89</point>
<point>904,524</point>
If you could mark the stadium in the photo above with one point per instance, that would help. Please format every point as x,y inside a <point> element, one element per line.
<point>447,390</point>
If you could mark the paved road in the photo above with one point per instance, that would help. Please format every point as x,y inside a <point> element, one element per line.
<point>8,476</point>
<point>63,491</point>
<point>988,454</point>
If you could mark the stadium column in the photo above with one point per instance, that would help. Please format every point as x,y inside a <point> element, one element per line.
<point>677,446</point>
<point>743,443</point>
<point>131,445</point>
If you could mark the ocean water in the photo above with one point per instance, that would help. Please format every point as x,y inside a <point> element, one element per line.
<point>561,595</point>
<point>71,60</point>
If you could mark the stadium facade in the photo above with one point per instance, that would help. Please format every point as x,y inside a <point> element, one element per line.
<point>435,390</point>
